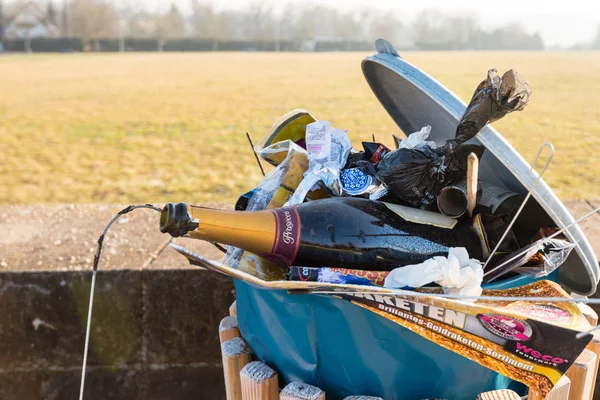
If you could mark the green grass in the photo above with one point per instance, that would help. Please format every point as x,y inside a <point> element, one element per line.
<point>170,127</point>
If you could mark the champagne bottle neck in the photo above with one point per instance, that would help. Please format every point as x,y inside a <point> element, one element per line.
<point>273,234</point>
<point>250,230</point>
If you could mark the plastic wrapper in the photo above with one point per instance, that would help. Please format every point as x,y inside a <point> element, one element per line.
<point>456,274</point>
<point>328,149</point>
<point>538,259</point>
<point>417,140</point>
<point>417,173</point>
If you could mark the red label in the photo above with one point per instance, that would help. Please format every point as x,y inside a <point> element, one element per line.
<point>379,153</point>
<point>288,230</point>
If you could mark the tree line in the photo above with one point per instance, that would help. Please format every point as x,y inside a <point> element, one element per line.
<point>429,29</point>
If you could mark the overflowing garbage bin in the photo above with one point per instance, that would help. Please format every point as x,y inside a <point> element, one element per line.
<point>336,310</point>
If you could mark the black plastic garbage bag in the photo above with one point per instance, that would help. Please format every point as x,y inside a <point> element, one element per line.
<point>417,175</point>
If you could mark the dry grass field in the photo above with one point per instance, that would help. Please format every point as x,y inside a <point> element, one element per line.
<point>128,128</point>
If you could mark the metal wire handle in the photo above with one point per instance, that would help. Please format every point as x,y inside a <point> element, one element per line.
<point>549,237</point>
<point>93,286</point>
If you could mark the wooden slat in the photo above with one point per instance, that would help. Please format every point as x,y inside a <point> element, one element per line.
<point>503,394</point>
<point>301,391</point>
<point>259,382</point>
<point>236,354</point>
<point>582,376</point>
<point>233,308</point>
<point>560,391</point>
<point>228,328</point>
<point>588,313</point>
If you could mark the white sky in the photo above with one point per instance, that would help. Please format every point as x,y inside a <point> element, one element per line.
<point>560,22</point>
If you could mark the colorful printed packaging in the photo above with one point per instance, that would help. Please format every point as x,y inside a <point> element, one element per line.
<point>337,275</point>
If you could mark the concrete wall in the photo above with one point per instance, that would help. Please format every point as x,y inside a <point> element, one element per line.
<point>154,334</point>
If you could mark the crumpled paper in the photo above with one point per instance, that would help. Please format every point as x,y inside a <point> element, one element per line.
<point>457,274</point>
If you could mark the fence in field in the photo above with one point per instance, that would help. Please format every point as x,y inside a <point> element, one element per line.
<point>66,44</point>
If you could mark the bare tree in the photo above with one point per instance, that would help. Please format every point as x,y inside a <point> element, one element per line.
<point>94,19</point>
<point>65,19</point>
<point>430,26</point>
<point>51,14</point>
<point>385,25</point>
<point>260,21</point>
<point>171,25</point>
<point>1,20</point>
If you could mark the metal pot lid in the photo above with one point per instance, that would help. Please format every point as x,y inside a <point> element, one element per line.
<point>414,99</point>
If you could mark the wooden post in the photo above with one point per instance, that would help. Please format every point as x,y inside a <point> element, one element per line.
<point>503,394</point>
<point>228,328</point>
<point>582,376</point>
<point>560,391</point>
<point>259,382</point>
<point>236,354</point>
<point>472,180</point>
<point>233,308</point>
<point>301,391</point>
<point>594,347</point>
<point>588,313</point>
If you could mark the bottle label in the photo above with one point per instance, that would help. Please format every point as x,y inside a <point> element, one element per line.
<point>288,229</point>
<point>493,196</point>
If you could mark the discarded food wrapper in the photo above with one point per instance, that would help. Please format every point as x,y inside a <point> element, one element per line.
<point>337,275</point>
<point>417,174</point>
<point>456,274</point>
<point>328,149</point>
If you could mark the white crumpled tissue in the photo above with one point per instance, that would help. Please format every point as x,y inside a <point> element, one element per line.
<point>456,274</point>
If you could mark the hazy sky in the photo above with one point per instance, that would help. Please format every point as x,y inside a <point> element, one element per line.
<point>560,22</point>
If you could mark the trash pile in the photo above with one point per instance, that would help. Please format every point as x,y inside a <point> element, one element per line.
<point>413,223</point>
<point>431,227</point>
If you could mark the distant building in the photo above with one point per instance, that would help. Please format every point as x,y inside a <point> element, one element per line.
<point>29,21</point>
